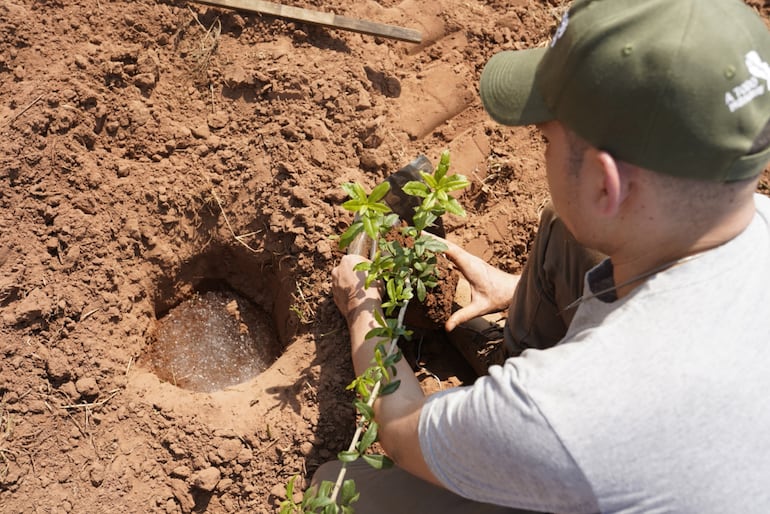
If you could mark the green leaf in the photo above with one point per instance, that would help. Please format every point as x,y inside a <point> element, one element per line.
<point>350,189</point>
<point>366,410</point>
<point>391,289</point>
<point>350,234</point>
<point>456,182</point>
<point>454,207</point>
<point>348,493</point>
<point>368,438</point>
<point>318,503</point>
<point>388,221</point>
<point>378,461</point>
<point>378,207</point>
<point>429,179</point>
<point>348,456</point>
<point>416,188</point>
<point>288,506</point>
<point>443,164</point>
<point>354,206</point>
<point>420,220</point>
<point>433,244</point>
<point>379,192</point>
<point>421,292</point>
<point>390,388</point>
<point>370,227</point>
<point>391,359</point>
<point>326,489</point>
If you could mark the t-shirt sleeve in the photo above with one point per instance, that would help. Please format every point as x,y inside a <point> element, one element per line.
<point>489,442</point>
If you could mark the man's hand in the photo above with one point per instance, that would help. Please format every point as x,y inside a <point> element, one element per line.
<point>348,287</point>
<point>491,288</point>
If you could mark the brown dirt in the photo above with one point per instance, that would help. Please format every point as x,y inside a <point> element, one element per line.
<point>151,149</point>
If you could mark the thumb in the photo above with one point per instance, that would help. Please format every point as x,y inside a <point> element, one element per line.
<point>461,316</point>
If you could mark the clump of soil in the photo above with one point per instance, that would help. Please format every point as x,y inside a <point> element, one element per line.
<point>147,147</point>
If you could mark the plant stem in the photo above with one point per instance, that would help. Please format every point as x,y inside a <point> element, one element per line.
<point>372,398</point>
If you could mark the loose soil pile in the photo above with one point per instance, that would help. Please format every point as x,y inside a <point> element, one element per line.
<point>151,151</point>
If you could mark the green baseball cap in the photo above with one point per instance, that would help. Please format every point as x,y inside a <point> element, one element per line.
<point>681,87</point>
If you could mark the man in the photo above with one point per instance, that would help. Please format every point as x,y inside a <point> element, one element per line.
<point>655,399</point>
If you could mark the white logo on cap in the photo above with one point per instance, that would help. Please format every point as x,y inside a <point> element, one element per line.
<point>562,28</point>
<point>744,93</point>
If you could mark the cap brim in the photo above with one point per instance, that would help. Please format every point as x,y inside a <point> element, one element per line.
<point>508,89</point>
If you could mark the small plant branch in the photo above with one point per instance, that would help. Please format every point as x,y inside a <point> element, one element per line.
<point>374,395</point>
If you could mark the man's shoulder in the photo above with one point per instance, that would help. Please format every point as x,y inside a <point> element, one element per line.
<point>762,202</point>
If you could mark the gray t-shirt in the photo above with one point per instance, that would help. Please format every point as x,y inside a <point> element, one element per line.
<point>657,402</point>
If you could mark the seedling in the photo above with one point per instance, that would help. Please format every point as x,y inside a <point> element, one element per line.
<point>405,270</point>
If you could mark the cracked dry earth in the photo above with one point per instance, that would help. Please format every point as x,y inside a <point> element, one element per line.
<point>156,153</point>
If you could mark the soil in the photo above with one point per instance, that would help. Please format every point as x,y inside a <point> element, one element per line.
<point>154,150</point>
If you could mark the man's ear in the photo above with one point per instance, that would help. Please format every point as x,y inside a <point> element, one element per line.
<point>613,184</point>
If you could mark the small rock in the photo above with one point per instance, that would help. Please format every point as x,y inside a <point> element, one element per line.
<point>68,388</point>
<point>325,249</point>
<point>72,256</point>
<point>145,81</point>
<point>124,170</point>
<point>34,306</point>
<point>58,366</point>
<point>200,131</point>
<point>36,407</point>
<point>245,456</point>
<point>224,484</point>
<point>372,161</point>
<point>364,101</point>
<point>229,449</point>
<point>97,474</point>
<point>206,479</point>
<point>279,491</point>
<point>87,387</point>
<point>318,152</point>
<point>139,114</point>
<point>182,494</point>
<point>235,76</point>
<point>80,61</point>
<point>181,472</point>
<point>306,447</point>
<point>218,120</point>
<point>317,130</point>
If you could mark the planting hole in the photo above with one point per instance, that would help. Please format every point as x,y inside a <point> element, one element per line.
<point>213,340</point>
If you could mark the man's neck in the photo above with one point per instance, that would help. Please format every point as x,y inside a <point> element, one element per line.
<point>654,251</point>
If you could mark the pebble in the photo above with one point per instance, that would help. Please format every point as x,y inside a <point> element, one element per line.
<point>181,472</point>
<point>206,479</point>
<point>218,120</point>
<point>87,386</point>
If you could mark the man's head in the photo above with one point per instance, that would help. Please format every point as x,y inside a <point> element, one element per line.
<point>681,87</point>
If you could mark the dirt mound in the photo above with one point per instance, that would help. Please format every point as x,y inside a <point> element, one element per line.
<point>150,151</point>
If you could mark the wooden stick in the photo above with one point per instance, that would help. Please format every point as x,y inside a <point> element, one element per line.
<point>320,18</point>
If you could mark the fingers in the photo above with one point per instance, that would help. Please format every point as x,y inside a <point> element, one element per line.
<point>463,315</point>
<point>349,286</point>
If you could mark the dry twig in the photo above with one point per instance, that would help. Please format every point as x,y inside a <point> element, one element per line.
<point>238,238</point>
<point>16,117</point>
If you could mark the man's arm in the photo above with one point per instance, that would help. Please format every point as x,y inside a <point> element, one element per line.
<point>398,413</point>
